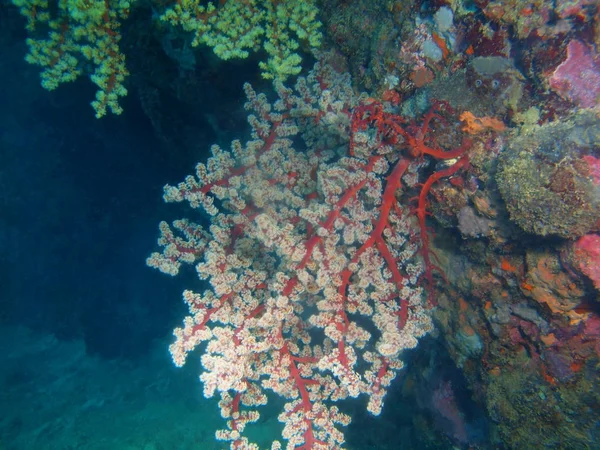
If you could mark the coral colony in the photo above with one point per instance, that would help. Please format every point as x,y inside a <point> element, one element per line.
<point>84,36</point>
<point>312,239</point>
<point>313,256</point>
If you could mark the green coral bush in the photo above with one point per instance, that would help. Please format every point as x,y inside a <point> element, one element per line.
<point>72,37</point>
<point>235,28</point>
<point>72,33</point>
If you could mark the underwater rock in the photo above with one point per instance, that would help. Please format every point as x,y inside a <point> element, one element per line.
<point>497,80</point>
<point>546,180</point>
<point>472,225</point>
<point>548,284</point>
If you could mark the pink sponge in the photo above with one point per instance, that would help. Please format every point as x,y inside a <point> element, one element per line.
<point>594,166</point>
<point>587,257</point>
<point>578,77</point>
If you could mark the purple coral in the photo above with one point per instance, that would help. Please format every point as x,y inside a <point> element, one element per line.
<point>578,77</point>
<point>445,404</point>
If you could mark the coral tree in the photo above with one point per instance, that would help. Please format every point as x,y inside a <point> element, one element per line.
<point>233,28</point>
<point>79,31</point>
<point>67,35</point>
<point>312,259</point>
